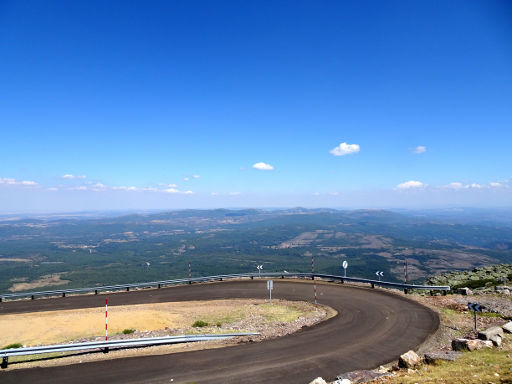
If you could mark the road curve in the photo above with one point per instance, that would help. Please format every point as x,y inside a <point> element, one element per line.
<point>373,327</point>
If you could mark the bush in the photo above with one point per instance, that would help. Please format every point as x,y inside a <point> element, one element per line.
<point>12,346</point>
<point>219,324</point>
<point>200,323</point>
<point>128,331</point>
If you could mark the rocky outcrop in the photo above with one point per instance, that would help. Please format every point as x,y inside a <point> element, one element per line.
<point>507,327</point>
<point>482,278</point>
<point>318,380</point>
<point>362,376</point>
<point>470,345</point>
<point>409,360</point>
<point>435,357</point>
<point>490,332</point>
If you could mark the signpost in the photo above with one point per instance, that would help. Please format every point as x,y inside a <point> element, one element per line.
<point>379,274</point>
<point>259,268</point>
<point>475,308</point>
<point>270,286</point>
<point>345,265</point>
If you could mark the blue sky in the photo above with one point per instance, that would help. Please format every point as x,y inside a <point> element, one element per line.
<point>118,105</point>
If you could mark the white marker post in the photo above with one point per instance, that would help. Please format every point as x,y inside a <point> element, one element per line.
<point>106,319</point>
<point>270,286</point>
<point>259,267</point>
<point>345,265</point>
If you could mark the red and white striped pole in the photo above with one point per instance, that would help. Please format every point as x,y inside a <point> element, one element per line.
<point>313,275</point>
<point>189,273</point>
<point>106,319</point>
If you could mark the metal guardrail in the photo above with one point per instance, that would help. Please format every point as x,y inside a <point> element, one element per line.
<point>163,283</point>
<point>106,345</point>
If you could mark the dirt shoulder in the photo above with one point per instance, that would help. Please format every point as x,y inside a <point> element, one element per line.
<point>151,320</point>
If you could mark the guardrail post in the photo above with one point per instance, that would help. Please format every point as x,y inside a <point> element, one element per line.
<point>405,291</point>
<point>1,299</point>
<point>373,285</point>
<point>342,281</point>
<point>444,292</point>
<point>312,277</point>
<point>5,362</point>
<point>105,350</point>
<point>95,291</point>
<point>63,294</point>
<point>220,279</point>
<point>159,286</point>
<point>252,277</point>
<point>431,293</point>
<point>127,289</point>
<point>282,276</point>
<point>32,297</point>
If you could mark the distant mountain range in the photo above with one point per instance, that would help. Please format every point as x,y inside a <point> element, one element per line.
<point>103,248</point>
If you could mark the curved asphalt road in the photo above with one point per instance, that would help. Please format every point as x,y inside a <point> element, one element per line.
<point>373,327</point>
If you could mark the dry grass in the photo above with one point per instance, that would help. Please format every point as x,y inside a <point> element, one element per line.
<point>61,326</point>
<point>44,281</point>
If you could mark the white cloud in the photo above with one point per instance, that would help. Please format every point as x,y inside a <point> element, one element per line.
<point>124,188</point>
<point>476,186</point>
<point>496,185</point>
<point>234,193</point>
<point>456,185</point>
<point>196,176</point>
<point>171,190</point>
<point>188,193</point>
<point>419,149</point>
<point>345,149</point>
<point>186,178</point>
<point>52,189</point>
<point>261,166</point>
<point>10,181</point>
<point>412,184</point>
<point>73,177</point>
<point>334,193</point>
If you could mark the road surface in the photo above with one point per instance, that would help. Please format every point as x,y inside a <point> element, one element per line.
<point>372,328</point>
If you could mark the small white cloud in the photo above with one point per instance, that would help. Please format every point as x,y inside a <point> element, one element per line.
<point>456,185</point>
<point>186,178</point>
<point>261,166</point>
<point>412,184</point>
<point>79,188</point>
<point>52,189</point>
<point>188,193</point>
<point>234,193</point>
<point>345,149</point>
<point>124,188</point>
<point>10,181</point>
<point>419,149</point>
<point>171,190</point>
<point>496,185</point>
<point>316,194</point>
<point>334,193</point>
<point>476,186</point>
<point>196,176</point>
<point>72,177</point>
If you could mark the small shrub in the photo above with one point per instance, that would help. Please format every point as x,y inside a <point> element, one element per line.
<point>13,346</point>
<point>219,324</point>
<point>200,323</point>
<point>128,331</point>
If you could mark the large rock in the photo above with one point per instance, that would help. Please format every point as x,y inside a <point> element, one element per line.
<point>507,327</point>
<point>490,332</point>
<point>496,340</point>
<point>464,291</point>
<point>342,381</point>
<point>409,360</point>
<point>364,376</point>
<point>435,357</point>
<point>318,380</point>
<point>470,345</point>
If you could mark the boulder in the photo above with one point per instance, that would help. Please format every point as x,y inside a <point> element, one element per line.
<point>470,345</point>
<point>464,291</point>
<point>496,340</point>
<point>342,381</point>
<point>507,327</point>
<point>318,380</point>
<point>363,376</point>
<point>409,360</point>
<point>490,332</point>
<point>435,357</point>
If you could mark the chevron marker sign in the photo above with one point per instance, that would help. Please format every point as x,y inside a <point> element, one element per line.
<point>476,307</point>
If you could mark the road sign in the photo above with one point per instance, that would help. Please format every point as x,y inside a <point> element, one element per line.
<point>259,268</point>
<point>270,286</point>
<point>345,265</point>
<point>475,307</point>
<point>379,274</point>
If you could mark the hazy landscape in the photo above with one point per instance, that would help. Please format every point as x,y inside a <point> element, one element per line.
<point>87,250</point>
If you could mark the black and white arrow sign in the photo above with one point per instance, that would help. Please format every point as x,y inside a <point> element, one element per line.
<point>379,273</point>
<point>475,307</point>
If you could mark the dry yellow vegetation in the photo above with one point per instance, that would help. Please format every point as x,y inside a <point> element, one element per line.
<point>61,326</point>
